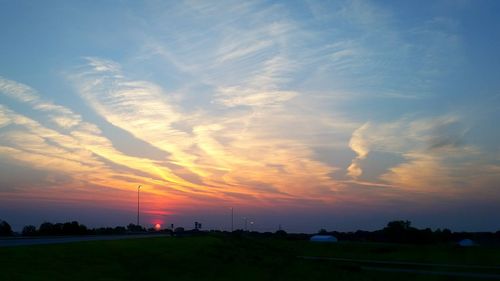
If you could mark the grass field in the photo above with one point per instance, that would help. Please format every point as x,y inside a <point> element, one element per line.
<point>229,258</point>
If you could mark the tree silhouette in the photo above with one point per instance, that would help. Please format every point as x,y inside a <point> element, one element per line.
<point>5,229</point>
<point>280,233</point>
<point>135,228</point>
<point>46,228</point>
<point>399,225</point>
<point>29,230</point>
<point>402,232</point>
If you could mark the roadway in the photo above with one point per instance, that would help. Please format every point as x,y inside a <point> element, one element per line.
<point>455,270</point>
<point>25,241</point>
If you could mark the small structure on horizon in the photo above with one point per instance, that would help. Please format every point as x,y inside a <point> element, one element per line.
<point>324,238</point>
<point>466,243</point>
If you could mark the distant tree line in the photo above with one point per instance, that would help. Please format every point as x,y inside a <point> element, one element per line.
<point>399,231</point>
<point>395,232</point>
<point>74,228</point>
<point>69,228</point>
<point>402,232</point>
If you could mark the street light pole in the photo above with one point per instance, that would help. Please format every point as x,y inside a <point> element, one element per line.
<point>138,189</point>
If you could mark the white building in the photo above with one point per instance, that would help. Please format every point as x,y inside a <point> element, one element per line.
<point>323,238</point>
<point>466,243</point>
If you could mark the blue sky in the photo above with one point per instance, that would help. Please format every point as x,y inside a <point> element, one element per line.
<point>345,114</point>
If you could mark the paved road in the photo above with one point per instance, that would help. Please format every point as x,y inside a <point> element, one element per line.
<point>12,242</point>
<point>415,267</point>
<point>384,262</point>
<point>435,272</point>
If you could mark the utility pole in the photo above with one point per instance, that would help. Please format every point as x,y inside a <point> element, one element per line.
<point>232,219</point>
<point>138,189</point>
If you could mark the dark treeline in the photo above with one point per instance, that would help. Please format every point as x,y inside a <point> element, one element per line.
<point>69,228</point>
<point>74,228</point>
<point>403,232</point>
<point>394,232</point>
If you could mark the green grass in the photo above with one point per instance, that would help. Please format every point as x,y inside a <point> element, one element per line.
<point>221,258</point>
<point>443,253</point>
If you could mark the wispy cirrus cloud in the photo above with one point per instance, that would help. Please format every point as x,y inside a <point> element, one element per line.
<point>236,150</point>
<point>435,154</point>
<point>78,152</point>
<point>17,91</point>
<point>236,96</point>
<point>138,107</point>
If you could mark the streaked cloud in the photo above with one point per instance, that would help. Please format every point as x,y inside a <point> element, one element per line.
<point>238,150</point>
<point>257,104</point>
<point>76,153</point>
<point>436,155</point>
<point>17,91</point>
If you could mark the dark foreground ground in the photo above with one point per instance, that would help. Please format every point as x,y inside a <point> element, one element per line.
<point>243,258</point>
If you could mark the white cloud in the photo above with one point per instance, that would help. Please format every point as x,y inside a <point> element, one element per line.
<point>17,90</point>
<point>60,115</point>
<point>361,146</point>
<point>235,96</point>
<point>240,150</point>
<point>75,152</point>
<point>102,65</point>
<point>4,119</point>
<point>65,122</point>
<point>140,108</point>
<point>238,51</point>
<point>435,154</point>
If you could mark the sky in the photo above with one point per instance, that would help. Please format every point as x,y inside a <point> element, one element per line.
<point>341,115</point>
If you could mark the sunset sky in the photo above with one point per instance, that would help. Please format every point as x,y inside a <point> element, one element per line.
<point>341,115</point>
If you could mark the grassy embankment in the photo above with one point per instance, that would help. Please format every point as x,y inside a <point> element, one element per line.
<point>224,258</point>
